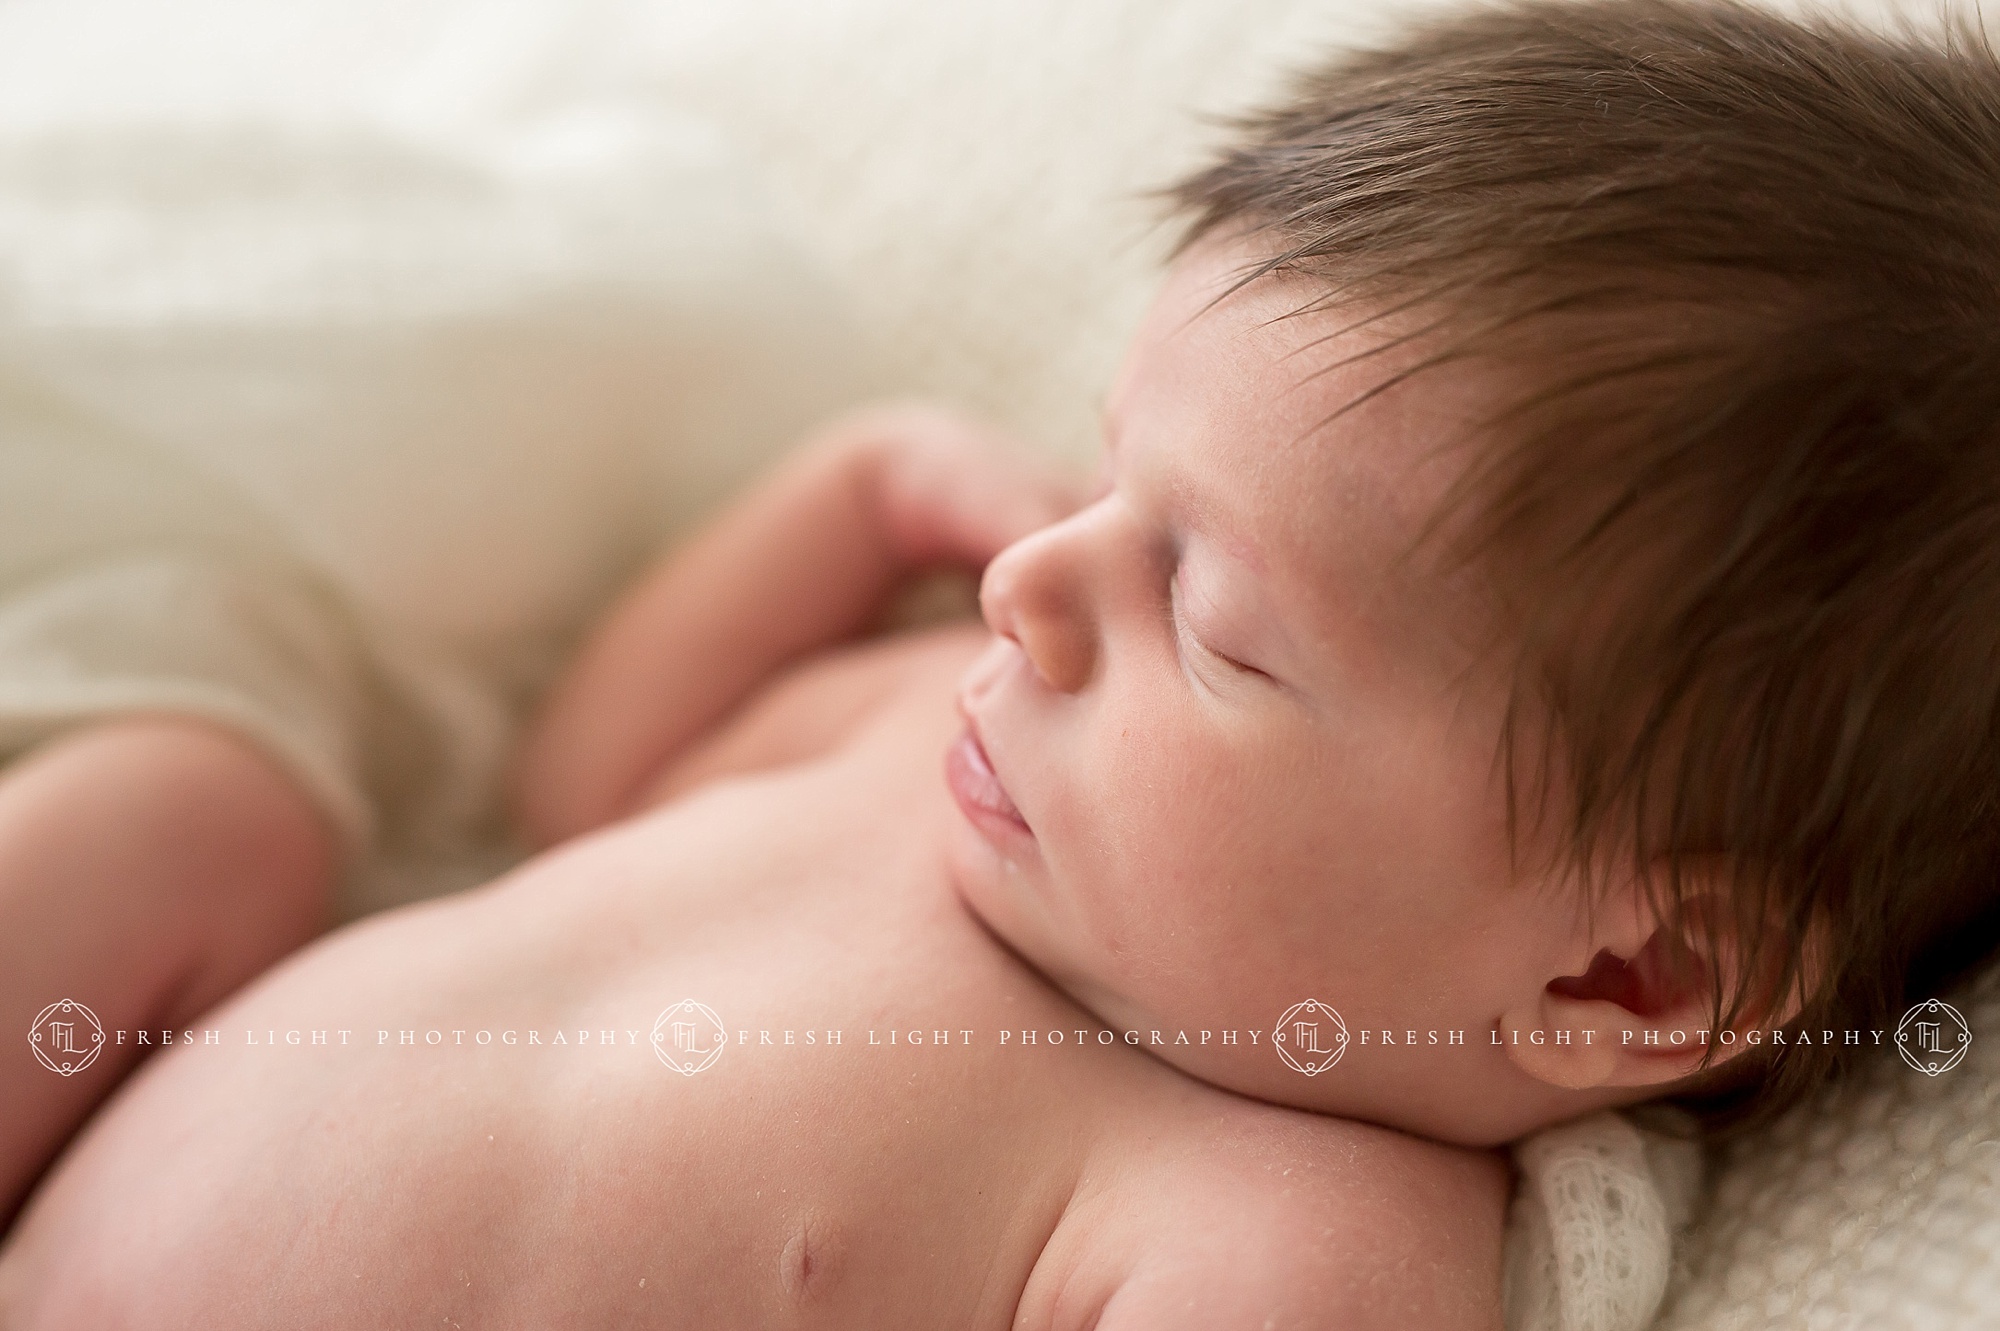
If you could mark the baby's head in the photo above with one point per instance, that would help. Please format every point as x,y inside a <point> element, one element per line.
<point>1546,592</point>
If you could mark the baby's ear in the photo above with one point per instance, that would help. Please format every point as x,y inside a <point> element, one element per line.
<point>1634,1005</point>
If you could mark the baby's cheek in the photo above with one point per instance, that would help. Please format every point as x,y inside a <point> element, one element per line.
<point>1174,887</point>
<point>1156,827</point>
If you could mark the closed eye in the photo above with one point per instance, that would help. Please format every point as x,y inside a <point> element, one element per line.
<point>1185,631</point>
<point>1241,667</point>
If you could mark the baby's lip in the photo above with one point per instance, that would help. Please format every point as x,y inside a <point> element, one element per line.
<point>981,795</point>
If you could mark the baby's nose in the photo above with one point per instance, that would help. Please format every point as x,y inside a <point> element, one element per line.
<point>1031,595</point>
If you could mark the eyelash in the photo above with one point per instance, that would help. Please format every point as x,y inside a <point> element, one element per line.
<point>1233,663</point>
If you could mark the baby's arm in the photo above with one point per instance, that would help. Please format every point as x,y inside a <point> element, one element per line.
<point>148,866</point>
<point>806,560</point>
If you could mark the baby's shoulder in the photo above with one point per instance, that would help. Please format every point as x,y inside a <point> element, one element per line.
<point>1239,1214</point>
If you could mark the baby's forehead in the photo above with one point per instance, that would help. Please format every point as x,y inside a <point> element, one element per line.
<point>1273,379</point>
<point>1318,446</point>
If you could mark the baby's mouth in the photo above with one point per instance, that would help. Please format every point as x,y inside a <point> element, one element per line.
<point>976,787</point>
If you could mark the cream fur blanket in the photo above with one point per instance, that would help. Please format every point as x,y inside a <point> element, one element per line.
<point>350,354</point>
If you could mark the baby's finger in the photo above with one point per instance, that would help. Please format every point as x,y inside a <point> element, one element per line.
<point>1012,498</point>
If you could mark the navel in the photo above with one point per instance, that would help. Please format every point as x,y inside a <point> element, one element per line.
<point>804,1265</point>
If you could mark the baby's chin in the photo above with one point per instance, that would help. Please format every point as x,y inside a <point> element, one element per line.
<point>1011,903</point>
<point>995,890</point>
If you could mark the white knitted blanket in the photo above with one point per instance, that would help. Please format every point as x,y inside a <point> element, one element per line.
<point>1876,1204</point>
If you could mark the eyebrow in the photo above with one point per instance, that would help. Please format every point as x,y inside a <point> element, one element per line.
<point>1205,519</point>
<point>1200,515</point>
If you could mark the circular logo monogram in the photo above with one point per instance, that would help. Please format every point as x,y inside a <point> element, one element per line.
<point>1933,1036</point>
<point>66,1037</point>
<point>688,1037</point>
<point>1310,1037</point>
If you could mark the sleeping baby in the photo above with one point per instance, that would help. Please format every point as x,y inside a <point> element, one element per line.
<point>1529,650</point>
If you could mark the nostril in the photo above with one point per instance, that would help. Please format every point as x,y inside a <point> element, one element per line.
<point>995,598</point>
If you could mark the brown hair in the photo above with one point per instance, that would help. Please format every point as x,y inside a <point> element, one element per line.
<point>1747,506</point>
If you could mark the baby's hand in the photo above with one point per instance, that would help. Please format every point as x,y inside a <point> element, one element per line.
<point>810,559</point>
<point>947,489</point>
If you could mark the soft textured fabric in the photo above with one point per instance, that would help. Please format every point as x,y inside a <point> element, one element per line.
<point>1876,1204</point>
<point>331,420</point>
<point>130,582</point>
<point>1591,1229</point>
<point>452,306</point>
